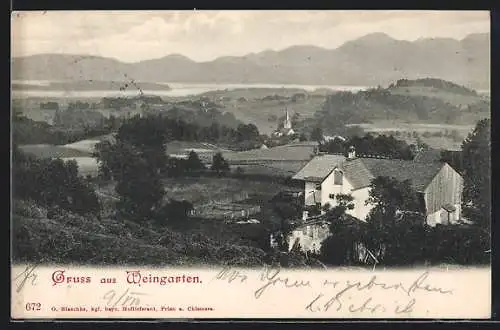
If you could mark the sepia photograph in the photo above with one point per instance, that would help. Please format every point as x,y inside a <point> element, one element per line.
<point>302,140</point>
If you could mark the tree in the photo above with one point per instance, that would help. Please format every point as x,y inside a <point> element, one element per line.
<point>53,184</point>
<point>139,187</point>
<point>148,136</point>
<point>239,171</point>
<point>343,204</point>
<point>337,248</point>
<point>317,134</point>
<point>476,155</point>
<point>248,132</point>
<point>219,164</point>
<point>135,161</point>
<point>174,212</point>
<point>391,199</point>
<point>193,163</point>
<point>390,196</point>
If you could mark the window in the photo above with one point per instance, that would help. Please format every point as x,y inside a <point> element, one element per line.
<point>318,186</point>
<point>337,178</point>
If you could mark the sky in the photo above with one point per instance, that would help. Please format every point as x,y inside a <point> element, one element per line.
<point>205,35</point>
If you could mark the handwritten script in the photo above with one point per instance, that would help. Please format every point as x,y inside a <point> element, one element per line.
<point>370,294</point>
<point>28,275</point>
<point>116,298</point>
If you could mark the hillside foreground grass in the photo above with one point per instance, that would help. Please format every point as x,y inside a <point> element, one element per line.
<point>67,238</point>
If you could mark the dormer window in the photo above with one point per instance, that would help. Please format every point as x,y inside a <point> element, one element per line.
<point>337,177</point>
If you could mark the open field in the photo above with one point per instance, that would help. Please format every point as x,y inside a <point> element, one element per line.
<point>82,148</point>
<point>272,168</point>
<point>383,126</point>
<point>451,136</point>
<point>280,161</point>
<point>205,151</point>
<point>222,199</point>
<point>202,190</point>
<point>208,190</point>
<point>52,151</point>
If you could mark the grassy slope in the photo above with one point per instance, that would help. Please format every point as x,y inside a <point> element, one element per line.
<point>69,238</point>
<point>202,190</point>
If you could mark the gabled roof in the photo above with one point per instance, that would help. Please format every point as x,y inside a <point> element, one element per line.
<point>319,168</point>
<point>357,173</point>
<point>287,152</point>
<point>361,171</point>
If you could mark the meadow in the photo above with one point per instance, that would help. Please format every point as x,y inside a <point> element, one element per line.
<point>427,133</point>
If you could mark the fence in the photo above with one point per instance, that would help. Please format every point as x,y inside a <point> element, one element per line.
<point>227,212</point>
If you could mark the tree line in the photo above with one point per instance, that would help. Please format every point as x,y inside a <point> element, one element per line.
<point>345,107</point>
<point>370,145</point>
<point>27,131</point>
<point>52,183</point>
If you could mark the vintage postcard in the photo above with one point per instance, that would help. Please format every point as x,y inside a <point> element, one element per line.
<point>250,164</point>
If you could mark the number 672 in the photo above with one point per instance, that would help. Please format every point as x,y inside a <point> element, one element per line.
<point>33,306</point>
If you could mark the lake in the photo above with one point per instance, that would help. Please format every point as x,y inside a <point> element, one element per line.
<point>177,90</point>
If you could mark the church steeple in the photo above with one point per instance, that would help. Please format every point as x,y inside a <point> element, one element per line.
<point>288,122</point>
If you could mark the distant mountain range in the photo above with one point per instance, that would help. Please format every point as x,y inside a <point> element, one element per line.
<point>375,59</point>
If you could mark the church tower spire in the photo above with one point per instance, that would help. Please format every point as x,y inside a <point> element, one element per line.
<point>288,122</point>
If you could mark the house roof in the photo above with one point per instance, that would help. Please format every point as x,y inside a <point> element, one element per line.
<point>357,173</point>
<point>319,168</point>
<point>428,156</point>
<point>288,152</point>
<point>361,171</point>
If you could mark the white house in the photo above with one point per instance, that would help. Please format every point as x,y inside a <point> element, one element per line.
<point>438,185</point>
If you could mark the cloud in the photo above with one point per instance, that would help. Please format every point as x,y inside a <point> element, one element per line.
<point>204,35</point>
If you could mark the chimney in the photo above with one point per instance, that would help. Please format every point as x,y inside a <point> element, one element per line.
<point>351,152</point>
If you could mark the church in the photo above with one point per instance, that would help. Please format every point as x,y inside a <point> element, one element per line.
<point>287,129</point>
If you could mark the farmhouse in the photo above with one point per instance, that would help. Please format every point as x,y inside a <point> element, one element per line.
<point>438,185</point>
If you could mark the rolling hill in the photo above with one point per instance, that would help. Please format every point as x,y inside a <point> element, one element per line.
<point>375,59</point>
